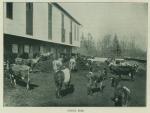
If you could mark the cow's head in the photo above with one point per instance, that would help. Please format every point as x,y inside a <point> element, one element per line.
<point>135,66</point>
<point>110,66</point>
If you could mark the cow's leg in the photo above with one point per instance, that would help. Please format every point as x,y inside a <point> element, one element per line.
<point>57,93</point>
<point>129,74</point>
<point>89,89</point>
<point>126,99</point>
<point>58,90</point>
<point>28,81</point>
<point>101,86</point>
<point>95,84</point>
<point>132,76</point>
<point>119,76</point>
<point>28,85</point>
<point>13,80</point>
<point>67,85</point>
<point>112,82</point>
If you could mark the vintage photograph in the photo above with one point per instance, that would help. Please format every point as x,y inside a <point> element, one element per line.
<point>75,54</point>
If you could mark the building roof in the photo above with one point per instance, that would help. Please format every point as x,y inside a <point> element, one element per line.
<point>62,9</point>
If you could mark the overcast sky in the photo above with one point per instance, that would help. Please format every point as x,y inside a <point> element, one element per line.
<point>128,20</point>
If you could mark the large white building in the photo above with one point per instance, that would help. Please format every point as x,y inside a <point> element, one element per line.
<point>33,28</point>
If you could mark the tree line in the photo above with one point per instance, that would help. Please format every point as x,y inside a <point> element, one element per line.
<point>110,46</point>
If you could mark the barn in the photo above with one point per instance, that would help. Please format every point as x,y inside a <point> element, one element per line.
<point>33,28</point>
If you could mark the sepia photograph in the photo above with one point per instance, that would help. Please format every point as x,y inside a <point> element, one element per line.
<point>75,54</point>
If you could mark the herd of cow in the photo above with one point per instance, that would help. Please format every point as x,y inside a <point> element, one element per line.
<point>63,69</point>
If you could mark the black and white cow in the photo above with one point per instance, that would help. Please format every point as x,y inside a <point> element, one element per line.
<point>129,70</point>
<point>62,79</point>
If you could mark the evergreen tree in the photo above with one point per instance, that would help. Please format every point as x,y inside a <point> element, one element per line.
<point>116,49</point>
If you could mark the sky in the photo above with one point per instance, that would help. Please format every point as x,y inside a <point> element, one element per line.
<point>127,20</point>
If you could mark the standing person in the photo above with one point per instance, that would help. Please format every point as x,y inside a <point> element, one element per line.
<point>72,63</point>
<point>57,64</point>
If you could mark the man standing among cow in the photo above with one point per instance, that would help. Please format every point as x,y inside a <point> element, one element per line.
<point>72,63</point>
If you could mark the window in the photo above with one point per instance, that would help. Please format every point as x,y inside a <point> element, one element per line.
<point>9,10</point>
<point>74,32</point>
<point>62,29</point>
<point>26,48</point>
<point>49,21</point>
<point>29,18</point>
<point>77,33</point>
<point>14,48</point>
<point>41,49</point>
<point>70,32</point>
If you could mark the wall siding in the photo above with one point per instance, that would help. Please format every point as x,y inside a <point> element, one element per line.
<point>17,25</point>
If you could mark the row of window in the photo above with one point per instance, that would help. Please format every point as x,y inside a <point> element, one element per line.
<point>29,22</point>
<point>27,48</point>
<point>76,31</point>
<point>15,48</point>
<point>26,51</point>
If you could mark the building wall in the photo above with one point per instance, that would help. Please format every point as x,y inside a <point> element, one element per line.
<point>17,25</point>
<point>39,42</point>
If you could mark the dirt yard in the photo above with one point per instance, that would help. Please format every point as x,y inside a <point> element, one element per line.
<point>42,91</point>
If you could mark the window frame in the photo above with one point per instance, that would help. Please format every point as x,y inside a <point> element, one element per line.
<point>9,10</point>
<point>62,28</point>
<point>29,7</point>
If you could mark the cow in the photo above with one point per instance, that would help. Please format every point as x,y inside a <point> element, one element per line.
<point>32,62</point>
<point>95,80</point>
<point>19,72</point>
<point>90,63</point>
<point>121,96</point>
<point>62,78</point>
<point>115,80</point>
<point>109,60</point>
<point>119,70</point>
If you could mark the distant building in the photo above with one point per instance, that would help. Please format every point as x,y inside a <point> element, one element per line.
<point>32,28</point>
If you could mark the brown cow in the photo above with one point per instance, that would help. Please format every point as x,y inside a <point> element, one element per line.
<point>121,96</point>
